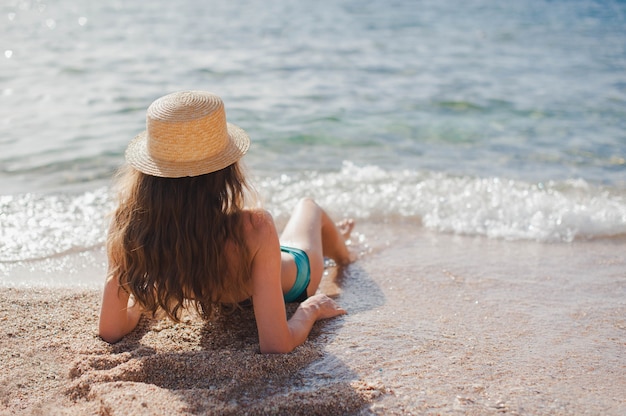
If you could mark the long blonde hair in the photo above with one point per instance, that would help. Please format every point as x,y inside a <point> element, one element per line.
<point>169,238</point>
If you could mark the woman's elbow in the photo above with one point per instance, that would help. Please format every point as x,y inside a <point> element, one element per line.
<point>109,335</point>
<point>111,339</point>
<point>277,348</point>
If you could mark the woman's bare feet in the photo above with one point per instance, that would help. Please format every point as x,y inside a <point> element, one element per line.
<point>345,227</point>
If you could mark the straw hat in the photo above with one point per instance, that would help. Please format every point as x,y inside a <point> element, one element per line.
<point>186,135</point>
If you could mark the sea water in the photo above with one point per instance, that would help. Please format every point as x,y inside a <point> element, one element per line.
<point>503,121</point>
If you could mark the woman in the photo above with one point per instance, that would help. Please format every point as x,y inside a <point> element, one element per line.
<point>181,235</point>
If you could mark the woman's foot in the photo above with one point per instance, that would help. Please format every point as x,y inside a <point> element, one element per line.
<point>345,227</point>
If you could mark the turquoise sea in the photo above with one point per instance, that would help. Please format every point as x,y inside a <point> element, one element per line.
<point>498,120</point>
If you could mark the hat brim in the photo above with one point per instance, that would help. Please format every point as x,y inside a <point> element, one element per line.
<point>138,157</point>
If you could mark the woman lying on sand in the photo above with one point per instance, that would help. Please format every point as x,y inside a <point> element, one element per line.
<point>181,233</point>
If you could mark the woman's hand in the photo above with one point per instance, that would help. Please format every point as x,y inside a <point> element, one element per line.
<point>324,306</point>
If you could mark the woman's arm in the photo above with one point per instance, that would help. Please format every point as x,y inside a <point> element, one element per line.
<point>119,314</point>
<point>276,334</point>
<point>313,309</point>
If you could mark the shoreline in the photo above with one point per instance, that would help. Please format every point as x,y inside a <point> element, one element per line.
<point>436,324</point>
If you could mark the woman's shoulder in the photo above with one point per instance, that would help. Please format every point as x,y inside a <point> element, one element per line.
<point>257,221</point>
<point>258,228</point>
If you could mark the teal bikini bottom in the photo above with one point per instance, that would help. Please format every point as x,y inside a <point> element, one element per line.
<point>297,293</point>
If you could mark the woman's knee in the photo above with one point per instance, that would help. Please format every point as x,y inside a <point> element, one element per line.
<point>307,212</point>
<point>308,203</point>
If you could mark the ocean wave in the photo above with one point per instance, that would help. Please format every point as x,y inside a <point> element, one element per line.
<point>39,226</point>
<point>551,211</point>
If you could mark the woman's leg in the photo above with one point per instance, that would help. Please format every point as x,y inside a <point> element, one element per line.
<point>313,231</point>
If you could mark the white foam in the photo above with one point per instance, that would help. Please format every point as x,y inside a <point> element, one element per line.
<point>37,227</point>
<point>42,226</point>
<point>492,207</point>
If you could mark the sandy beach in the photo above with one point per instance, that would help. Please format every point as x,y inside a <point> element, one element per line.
<point>437,324</point>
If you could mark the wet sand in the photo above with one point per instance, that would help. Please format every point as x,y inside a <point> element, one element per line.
<point>437,324</point>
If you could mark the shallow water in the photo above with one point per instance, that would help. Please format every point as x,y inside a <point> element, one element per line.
<point>463,118</point>
<point>451,324</point>
<point>533,91</point>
